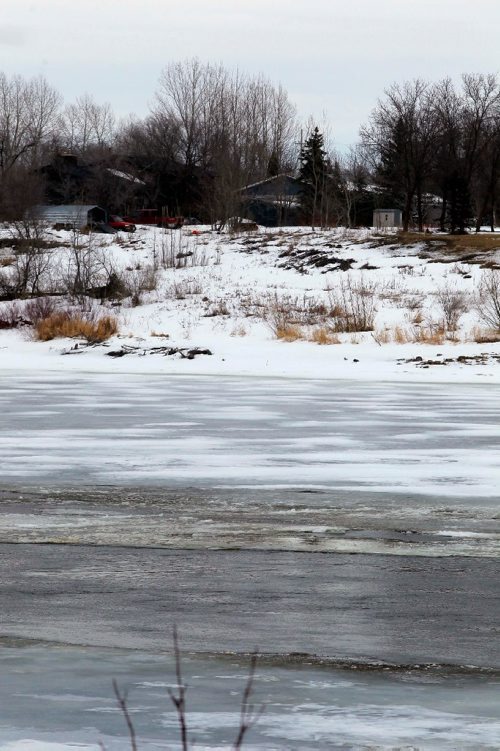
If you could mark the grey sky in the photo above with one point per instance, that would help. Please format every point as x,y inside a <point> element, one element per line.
<point>333,56</point>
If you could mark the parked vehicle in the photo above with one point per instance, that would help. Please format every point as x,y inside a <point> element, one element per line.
<point>151,216</point>
<point>116,222</point>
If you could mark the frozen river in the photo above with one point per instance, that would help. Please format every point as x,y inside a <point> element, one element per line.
<point>61,699</point>
<point>137,430</point>
<point>347,525</point>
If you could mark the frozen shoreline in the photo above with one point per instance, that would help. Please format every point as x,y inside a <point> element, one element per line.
<point>254,360</point>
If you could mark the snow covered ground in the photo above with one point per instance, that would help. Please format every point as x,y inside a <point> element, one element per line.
<point>230,295</point>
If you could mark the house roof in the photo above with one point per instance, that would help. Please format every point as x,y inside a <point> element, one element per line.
<point>125,176</point>
<point>272,179</point>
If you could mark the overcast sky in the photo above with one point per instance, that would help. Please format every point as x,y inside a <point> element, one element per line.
<point>333,56</point>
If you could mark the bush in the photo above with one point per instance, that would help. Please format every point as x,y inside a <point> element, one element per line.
<point>136,281</point>
<point>68,323</point>
<point>282,312</point>
<point>488,299</point>
<point>11,316</point>
<point>454,303</point>
<point>38,308</point>
<point>355,305</point>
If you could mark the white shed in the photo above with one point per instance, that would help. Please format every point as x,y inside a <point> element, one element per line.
<point>71,216</point>
<point>387,218</point>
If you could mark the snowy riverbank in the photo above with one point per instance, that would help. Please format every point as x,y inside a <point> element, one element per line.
<point>261,303</point>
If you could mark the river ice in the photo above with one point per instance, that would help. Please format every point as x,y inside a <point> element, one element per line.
<point>425,439</point>
<point>67,696</point>
<point>251,463</point>
<point>216,471</point>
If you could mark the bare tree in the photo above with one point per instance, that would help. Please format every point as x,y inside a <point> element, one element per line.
<point>466,126</point>
<point>32,265</point>
<point>400,138</point>
<point>86,125</point>
<point>229,125</point>
<point>28,111</point>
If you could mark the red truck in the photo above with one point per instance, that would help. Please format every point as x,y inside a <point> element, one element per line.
<point>151,216</point>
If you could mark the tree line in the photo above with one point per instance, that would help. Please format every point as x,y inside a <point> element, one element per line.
<point>210,131</point>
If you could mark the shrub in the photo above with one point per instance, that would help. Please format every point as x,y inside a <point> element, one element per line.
<point>75,324</point>
<point>355,303</point>
<point>11,315</point>
<point>454,303</point>
<point>488,299</point>
<point>136,281</point>
<point>281,312</point>
<point>38,308</point>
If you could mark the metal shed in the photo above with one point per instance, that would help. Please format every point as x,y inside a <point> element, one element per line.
<point>387,218</point>
<point>73,216</point>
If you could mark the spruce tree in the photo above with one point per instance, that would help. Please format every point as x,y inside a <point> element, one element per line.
<point>314,168</point>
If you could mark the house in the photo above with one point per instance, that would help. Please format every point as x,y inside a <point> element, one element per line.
<point>70,216</point>
<point>65,178</point>
<point>274,202</point>
<point>68,179</point>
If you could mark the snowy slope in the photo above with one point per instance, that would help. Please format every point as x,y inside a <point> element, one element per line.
<point>224,297</point>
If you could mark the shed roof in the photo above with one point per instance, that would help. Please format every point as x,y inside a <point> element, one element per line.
<point>67,213</point>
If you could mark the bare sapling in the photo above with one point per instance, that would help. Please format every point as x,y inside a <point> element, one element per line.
<point>249,712</point>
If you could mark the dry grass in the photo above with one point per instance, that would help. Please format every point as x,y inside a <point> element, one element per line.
<point>289,333</point>
<point>323,335</point>
<point>430,335</point>
<point>482,241</point>
<point>401,335</point>
<point>7,261</point>
<point>382,336</point>
<point>239,331</point>
<point>160,335</point>
<point>446,247</point>
<point>485,336</point>
<point>76,325</point>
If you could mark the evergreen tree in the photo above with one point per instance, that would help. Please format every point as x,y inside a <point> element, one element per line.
<point>273,165</point>
<point>314,169</point>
